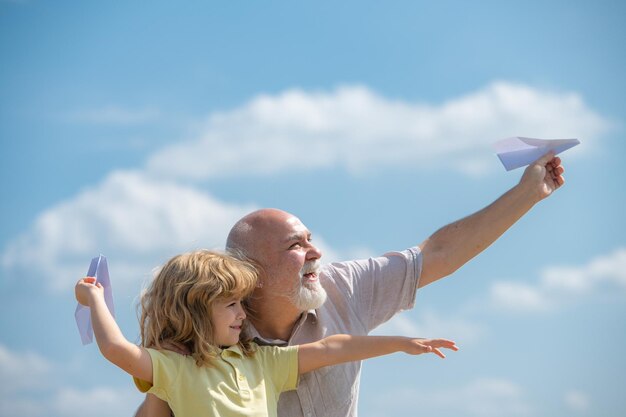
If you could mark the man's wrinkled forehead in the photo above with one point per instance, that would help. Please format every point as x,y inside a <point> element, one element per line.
<point>295,229</point>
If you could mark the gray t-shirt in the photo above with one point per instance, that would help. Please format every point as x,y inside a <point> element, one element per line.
<point>361,295</point>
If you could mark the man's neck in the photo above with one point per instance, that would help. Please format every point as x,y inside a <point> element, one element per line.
<point>275,318</point>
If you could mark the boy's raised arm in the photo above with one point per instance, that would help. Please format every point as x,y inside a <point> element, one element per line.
<point>133,359</point>
<point>342,348</point>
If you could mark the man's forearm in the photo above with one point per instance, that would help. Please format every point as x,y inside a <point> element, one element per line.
<point>453,245</point>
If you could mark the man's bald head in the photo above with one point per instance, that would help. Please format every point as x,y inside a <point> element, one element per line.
<point>254,231</point>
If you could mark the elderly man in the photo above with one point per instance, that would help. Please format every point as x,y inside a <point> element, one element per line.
<point>297,301</point>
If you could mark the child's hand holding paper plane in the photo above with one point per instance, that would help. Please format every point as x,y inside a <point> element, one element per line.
<point>100,270</point>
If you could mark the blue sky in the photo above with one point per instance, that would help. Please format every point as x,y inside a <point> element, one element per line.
<point>142,130</point>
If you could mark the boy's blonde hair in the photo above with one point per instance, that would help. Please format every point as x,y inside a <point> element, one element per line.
<point>176,307</point>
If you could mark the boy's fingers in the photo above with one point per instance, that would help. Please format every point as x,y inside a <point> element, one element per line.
<point>443,343</point>
<point>439,353</point>
<point>424,347</point>
<point>89,280</point>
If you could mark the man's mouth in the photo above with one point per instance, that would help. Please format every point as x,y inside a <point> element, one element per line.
<point>310,277</point>
<point>309,272</point>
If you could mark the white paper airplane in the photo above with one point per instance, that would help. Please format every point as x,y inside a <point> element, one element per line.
<point>517,152</point>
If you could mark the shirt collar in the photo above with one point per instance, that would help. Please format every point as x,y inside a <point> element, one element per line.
<point>233,350</point>
<point>256,337</point>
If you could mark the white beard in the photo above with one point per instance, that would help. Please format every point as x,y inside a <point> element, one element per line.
<point>311,295</point>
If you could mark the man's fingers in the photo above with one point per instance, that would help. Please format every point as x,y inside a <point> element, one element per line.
<point>559,180</point>
<point>543,161</point>
<point>556,174</point>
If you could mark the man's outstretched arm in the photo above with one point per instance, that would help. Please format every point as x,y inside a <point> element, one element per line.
<point>153,406</point>
<point>453,245</point>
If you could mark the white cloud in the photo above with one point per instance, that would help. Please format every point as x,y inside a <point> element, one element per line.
<point>96,402</point>
<point>577,401</point>
<point>30,389</point>
<point>138,221</point>
<point>431,325</point>
<point>135,221</point>
<point>518,297</point>
<point>356,129</point>
<point>603,270</point>
<point>486,397</point>
<point>73,402</point>
<point>21,370</point>
<point>559,284</point>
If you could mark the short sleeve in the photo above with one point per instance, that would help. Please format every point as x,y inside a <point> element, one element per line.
<point>378,288</point>
<point>165,370</point>
<point>280,366</point>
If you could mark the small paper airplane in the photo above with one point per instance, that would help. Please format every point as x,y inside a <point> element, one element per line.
<point>100,270</point>
<point>517,151</point>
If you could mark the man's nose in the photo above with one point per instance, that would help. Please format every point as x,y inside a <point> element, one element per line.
<point>313,253</point>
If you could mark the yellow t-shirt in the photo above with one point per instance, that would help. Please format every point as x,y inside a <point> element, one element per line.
<point>235,386</point>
